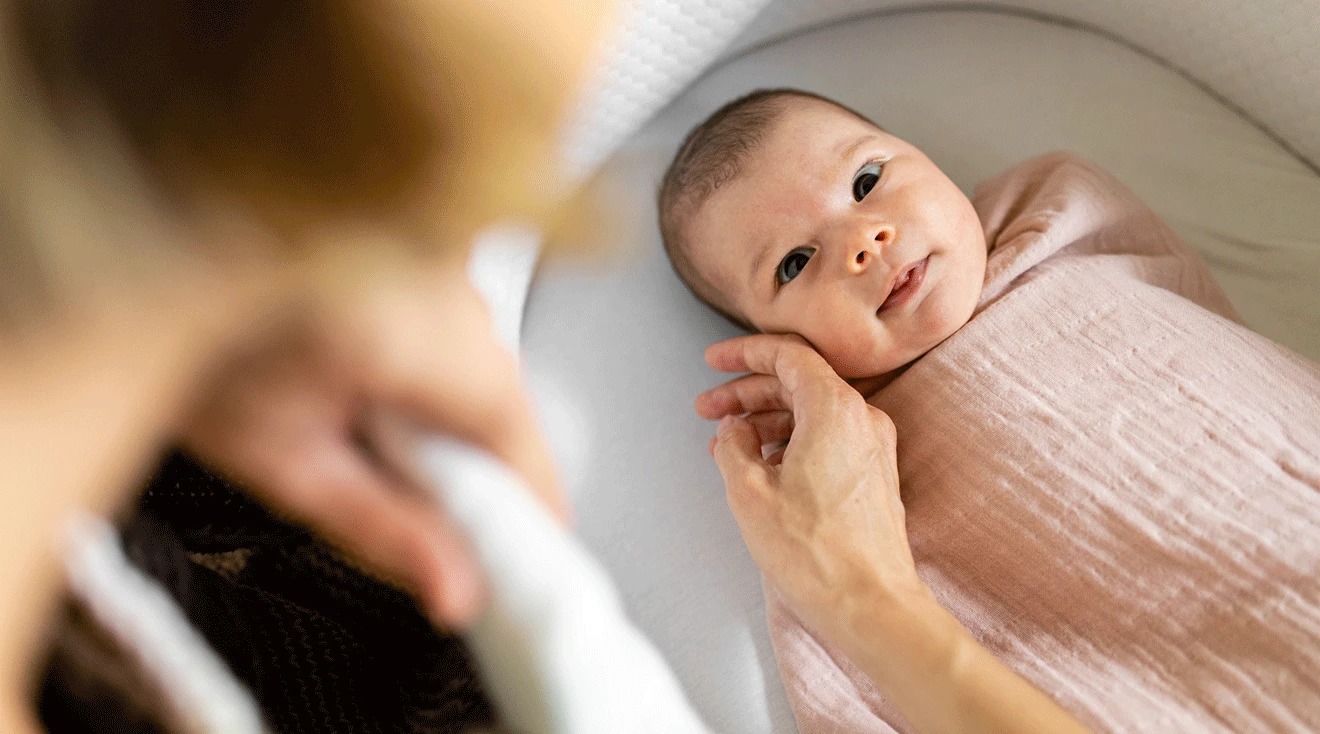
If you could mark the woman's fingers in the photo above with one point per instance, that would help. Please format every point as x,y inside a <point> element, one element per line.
<point>732,355</point>
<point>474,394</point>
<point>806,384</point>
<point>738,454</point>
<point>329,485</point>
<point>746,394</point>
<point>282,430</point>
<point>282,422</point>
<point>786,356</point>
<point>774,426</point>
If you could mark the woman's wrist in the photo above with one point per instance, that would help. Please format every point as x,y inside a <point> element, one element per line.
<point>912,649</point>
<point>894,633</point>
<point>937,675</point>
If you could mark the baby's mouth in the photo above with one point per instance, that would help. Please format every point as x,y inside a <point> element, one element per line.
<point>905,285</point>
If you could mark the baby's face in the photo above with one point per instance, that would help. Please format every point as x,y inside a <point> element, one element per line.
<point>845,235</point>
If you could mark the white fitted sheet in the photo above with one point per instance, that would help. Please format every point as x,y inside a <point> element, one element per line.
<point>613,346</point>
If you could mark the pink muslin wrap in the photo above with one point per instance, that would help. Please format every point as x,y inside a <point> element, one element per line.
<point>1112,483</point>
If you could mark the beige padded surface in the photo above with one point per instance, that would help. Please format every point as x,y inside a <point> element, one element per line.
<point>1261,55</point>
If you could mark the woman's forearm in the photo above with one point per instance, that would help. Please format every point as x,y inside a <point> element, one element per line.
<point>939,677</point>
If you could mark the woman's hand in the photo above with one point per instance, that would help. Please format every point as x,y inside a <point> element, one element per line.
<point>288,420</point>
<point>826,524</point>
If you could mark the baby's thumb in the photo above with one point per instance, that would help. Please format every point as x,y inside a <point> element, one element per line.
<point>738,454</point>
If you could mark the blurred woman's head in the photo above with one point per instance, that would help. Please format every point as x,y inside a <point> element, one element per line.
<point>255,134</point>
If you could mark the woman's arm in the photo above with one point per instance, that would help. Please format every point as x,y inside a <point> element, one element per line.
<point>937,675</point>
<point>827,527</point>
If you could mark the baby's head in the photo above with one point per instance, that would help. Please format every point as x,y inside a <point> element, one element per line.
<point>790,213</point>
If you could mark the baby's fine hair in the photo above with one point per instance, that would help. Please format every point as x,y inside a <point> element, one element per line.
<point>712,155</point>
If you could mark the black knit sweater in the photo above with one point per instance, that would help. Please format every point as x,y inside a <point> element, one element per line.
<point>321,645</point>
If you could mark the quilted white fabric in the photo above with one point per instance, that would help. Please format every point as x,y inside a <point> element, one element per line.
<point>1262,56</point>
<point>660,46</point>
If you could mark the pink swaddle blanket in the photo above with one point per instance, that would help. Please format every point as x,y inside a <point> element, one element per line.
<point>1112,483</point>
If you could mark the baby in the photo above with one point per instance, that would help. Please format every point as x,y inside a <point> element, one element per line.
<point>790,213</point>
<point>1106,476</point>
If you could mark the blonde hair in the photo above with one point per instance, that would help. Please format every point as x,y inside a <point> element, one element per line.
<point>424,118</point>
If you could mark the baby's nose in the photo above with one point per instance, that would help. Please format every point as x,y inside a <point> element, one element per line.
<point>863,256</point>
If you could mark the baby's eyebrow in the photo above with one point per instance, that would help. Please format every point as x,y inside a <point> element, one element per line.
<point>756,265</point>
<point>846,151</point>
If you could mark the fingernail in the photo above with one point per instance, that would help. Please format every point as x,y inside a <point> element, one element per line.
<point>458,594</point>
<point>463,600</point>
<point>726,423</point>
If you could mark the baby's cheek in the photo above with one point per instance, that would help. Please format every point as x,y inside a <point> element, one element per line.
<point>843,331</point>
<point>966,287</point>
<point>851,349</point>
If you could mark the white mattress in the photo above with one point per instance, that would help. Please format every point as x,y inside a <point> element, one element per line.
<point>613,347</point>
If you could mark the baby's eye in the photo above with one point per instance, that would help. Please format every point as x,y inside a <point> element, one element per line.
<point>792,264</point>
<point>865,179</point>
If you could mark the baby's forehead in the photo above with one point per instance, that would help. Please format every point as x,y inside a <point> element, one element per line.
<point>801,152</point>
<point>809,130</point>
